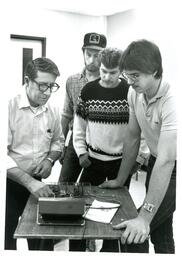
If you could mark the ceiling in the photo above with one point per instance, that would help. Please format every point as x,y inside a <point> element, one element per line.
<point>89,7</point>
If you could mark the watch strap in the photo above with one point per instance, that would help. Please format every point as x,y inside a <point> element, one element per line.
<point>149,207</point>
<point>50,160</point>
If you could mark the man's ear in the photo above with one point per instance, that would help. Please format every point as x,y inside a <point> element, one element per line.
<point>26,79</point>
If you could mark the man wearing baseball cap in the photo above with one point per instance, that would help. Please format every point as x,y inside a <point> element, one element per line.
<point>92,44</point>
<point>94,41</point>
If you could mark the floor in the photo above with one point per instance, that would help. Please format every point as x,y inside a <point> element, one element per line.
<point>137,191</point>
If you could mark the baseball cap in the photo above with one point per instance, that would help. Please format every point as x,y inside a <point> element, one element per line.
<point>94,41</point>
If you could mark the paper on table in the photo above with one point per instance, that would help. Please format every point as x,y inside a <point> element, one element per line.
<point>104,213</point>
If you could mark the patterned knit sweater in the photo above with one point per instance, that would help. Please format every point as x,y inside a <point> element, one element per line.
<point>101,119</point>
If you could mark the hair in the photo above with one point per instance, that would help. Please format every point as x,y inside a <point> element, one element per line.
<point>41,64</point>
<point>110,57</point>
<point>143,56</point>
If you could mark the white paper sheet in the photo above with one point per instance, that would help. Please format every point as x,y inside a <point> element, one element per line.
<point>101,211</point>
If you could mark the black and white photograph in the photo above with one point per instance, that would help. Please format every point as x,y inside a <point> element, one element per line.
<point>91,129</point>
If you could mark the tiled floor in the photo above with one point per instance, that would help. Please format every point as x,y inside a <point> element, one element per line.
<point>137,191</point>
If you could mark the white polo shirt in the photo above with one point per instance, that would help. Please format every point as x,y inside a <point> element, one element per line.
<point>156,115</point>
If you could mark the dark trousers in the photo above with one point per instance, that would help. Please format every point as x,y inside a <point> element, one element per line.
<point>161,227</point>
<point>162,223</point>
<point>16,199</point>
<point>70,168</point>
<point>96,174</point>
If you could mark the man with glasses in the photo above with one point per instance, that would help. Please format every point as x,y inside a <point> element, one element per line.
<point>99,129</point>
<point>35,141</point>
<point>152,112</point>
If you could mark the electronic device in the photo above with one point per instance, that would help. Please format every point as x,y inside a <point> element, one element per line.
<point>60,211</point>
<point>66,207</point>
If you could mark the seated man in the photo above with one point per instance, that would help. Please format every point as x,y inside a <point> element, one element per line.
<point>35,141</point>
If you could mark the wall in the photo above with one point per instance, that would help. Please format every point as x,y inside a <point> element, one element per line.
<point>152,22</point>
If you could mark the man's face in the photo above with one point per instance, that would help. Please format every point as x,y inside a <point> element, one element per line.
<point>141,82</point>
<point>109,76</point>
<point>35,96</point>
<point>91,59</point>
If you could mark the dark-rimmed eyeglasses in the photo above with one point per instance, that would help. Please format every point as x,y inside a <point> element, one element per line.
<point>43,87</point>
<point>132,77</point>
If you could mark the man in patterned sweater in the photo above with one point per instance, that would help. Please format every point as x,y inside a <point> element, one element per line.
<point>99,127</point>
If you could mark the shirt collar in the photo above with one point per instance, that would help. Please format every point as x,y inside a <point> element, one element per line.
<point>24,102</point>
<point>163,87</point>
<point>83,74</point>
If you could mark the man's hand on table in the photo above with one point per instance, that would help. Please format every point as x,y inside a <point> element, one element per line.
<point>43,170</point>
<point>110,184</point>
<point>135,230</point>
<point>39,189</point>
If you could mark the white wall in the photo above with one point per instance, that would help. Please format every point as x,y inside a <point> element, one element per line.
<point>153,22</point>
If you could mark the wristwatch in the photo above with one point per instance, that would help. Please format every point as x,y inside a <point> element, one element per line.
<point>149,207</point>
<point>50,159</point>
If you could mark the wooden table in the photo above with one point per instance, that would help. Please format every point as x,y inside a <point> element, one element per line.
<point>28,228</point>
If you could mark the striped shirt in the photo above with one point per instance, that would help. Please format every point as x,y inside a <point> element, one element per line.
<point>101,121</point>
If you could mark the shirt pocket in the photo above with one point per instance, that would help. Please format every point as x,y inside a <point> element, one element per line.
<point>46,141</point>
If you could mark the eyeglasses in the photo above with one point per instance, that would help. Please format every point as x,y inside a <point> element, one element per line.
<point>132,77</point>
<point>43,87</point>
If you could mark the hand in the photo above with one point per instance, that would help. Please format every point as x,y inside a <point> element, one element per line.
<point>43,170</point>
<point>110,184</point>
<point>136,167</point>
<point>40,189</point>
<point>84,160</point>
<point>61,159</point>
<point>135,230</point>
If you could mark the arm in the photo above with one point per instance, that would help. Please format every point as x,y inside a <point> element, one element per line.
<point>130,151</point>
<point>37,188</point>
<point>161,173</point>
<point>137,230</point>
<point>14,172</point>
<point>79,134</point>
<point>142,158</point>
<point>44,168</point>
<point>67,116</point>
<point>65,125</point>
<point>68,108</point>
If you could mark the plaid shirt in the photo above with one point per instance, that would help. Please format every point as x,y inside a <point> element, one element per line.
<point>74,85</point>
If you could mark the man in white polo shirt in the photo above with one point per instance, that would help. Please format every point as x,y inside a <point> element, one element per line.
<point>152,112</point>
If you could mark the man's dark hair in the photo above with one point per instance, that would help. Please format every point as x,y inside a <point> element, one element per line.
<point>41,64</point>
<point>143,56</point>
<point>110,57</point>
